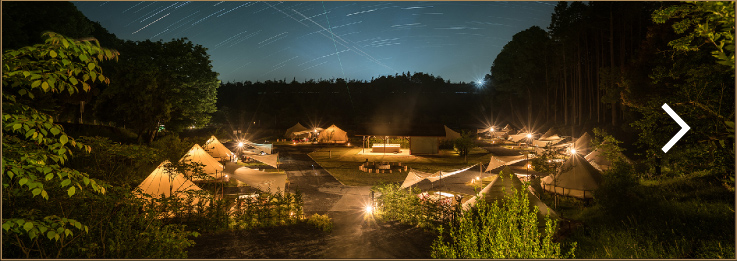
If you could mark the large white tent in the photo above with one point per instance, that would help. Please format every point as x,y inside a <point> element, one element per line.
<point>583,144</point>
<point>576,178</point>
<point>451,134</point>
<point>264,181</point>
<point>296,128</point>
<point>415,176</point>
<point>165,182</point>
<point>211,166</point>
<point>332,134</point>
<point>600,161</point>
<point>217,150</point>
<point>270,160</point>
<point>498,161</point>
<point>503,185</point>
<point>518,137</point>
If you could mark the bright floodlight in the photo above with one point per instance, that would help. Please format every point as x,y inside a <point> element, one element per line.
<point>240,144</point>
<point>368,209</point>
<point>491,129</point>
<point>573,151</point>
<point>315,130</point>
<point>529,135</point>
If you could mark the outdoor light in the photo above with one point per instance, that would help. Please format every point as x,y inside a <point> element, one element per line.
<point>368,209</point>
<point>573,151</point>
<point>226,175</point>
<point>349,144</point>
<point>240,144</point>
<point>529,135</point>
<point>478,178</point>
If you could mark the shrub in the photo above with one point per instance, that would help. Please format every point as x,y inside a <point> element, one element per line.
<point>322,222</point>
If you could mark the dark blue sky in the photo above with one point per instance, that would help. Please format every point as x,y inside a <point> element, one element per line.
<point>310,40</point>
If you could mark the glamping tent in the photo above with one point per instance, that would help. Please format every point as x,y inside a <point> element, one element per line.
<point>415,177</point>
<point>451,134</point>
<point>211,166</point>
<point>600,161</point>
<point>296,128</point>
<point>270,160</point>
<point>332,134</point>
<point>518,137</point>
<point>576,178</point>
<point>547,134</point>
<point>217,150</point>
<point>162,182</point>
<point>498,161</point>
<point>583,144</point>
<point>264,181</point>
<point>503,185</point>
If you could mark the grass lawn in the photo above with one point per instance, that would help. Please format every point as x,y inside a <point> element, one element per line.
<point>343,163</point>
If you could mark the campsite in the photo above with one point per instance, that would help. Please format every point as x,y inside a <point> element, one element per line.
<point>368,130</point>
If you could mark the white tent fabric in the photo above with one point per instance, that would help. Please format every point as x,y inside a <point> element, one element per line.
<point>600,161</point>
<point>270,160</point>
<point>583,144</point>
<point>414,176</point>
<point>518,137</point>
<point>540,143</point>
<point>264,181</point>
<point>167,183</point>
<point>498,161</point>
<point>547,134</point>
<point>451,134</point>
<point>576,178</point>
<point>296,128</point>
<point>217,150</point>
<point>211,166</point>
<point>332,134</point>
<point>502,185</point>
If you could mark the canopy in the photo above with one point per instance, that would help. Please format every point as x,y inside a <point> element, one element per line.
<point>296,128</point>
<point>541,143</point>
<point>211,166</point>
<point>217,150</point>
<point>576,178</point>
<point>583,144</point>
<point>498,161</point>
<point>451,134</point>
<point>518,137</point>
<point>164,182</point>
<point>547,134</point>
<point>415,176</point>
<point>264,181</point>
<point>270,160</point>
<point>600,161</point>
<point>503,185</point>
<point>332,134</point>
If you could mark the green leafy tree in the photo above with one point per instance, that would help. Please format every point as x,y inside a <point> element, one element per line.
<point>35,148</point>
<point>464,144</point>
<point>507,229</point>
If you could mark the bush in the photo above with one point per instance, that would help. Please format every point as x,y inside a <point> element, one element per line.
<point>620,190</point>
<point>322,222</point>
<point>403,205</point>
<point>507,230</point>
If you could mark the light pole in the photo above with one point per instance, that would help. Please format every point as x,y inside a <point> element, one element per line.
<point>240,148</point>
<point>527,156</point>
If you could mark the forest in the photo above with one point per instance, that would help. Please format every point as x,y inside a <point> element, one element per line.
<point>606,65</point>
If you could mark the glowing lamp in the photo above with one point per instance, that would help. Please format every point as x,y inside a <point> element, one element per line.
<point>240,144</point>
<point>573,151</point>
<point>491,129</point>
<point>478,178</point>
<point>368,209</point>
<point>529,135</point>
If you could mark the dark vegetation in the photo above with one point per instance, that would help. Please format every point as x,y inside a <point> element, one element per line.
<point>599,64</point>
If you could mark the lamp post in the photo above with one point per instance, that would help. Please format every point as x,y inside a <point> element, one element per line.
<point>240,149</point>
<point>527,156</point>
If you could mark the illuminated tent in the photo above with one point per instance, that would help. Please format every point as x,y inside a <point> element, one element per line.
<point>583,144</point>
<point>414,177</point>
<point>217,150</point>
<point>451,134</point>
<point>547,134</point>
<point>503,185</point>
<point>264,181</point>
<point>600,161</point>
<point>211,166</point>
<point>296,128</point>
<point>518,137</point>
<point>270,160</point>
<point>163,182</point>
<point>576,178</point>
<point>332,134</point>
<point>498,161</point>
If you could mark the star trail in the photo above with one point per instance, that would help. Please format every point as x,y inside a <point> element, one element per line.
<point>258,41</point>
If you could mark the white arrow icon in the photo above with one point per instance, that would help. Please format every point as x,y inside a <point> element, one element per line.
<point>684,127</point>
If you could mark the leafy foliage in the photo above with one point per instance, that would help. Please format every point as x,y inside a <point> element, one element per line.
<point>505,230</point>
<point>322,222</point>
<point>404,205</point>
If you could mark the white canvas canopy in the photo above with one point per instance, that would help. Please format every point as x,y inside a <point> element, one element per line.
<point>498,161</point>
<point>600,161</point>
<point>576,178</point>
<point>451,134</point>
<point>503,185</point>
<point>547,134</point>
<point>332,134</point>
<point>211,166</point>
<point>166,183</point>
<point>583,144</point>
<point>217,150</point>
<point>415,176</point>
<point>270,160</point>
<point>540,143</point>
<point>296,128</point>
<point>518,137</point>
<point>264,181</point>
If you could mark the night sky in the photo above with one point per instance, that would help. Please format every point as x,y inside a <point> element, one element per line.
<point>258,41</point>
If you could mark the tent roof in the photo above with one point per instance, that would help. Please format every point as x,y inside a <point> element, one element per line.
<point>451,134</point>
<point>547,133</point>
<point>296,128</point>
<point>337,134</point>
<point>456,181</point>
<point>498,161</point>
<point>197,154</point>
<point>264,181</point>
<point>217,149</point>
<point>577,173</point>
<point>597,157</point>
<point>502,186</point>
<point>270,160</point>
<point>583,143</point>
<point>163,181</point>
<point>518,137</point>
